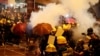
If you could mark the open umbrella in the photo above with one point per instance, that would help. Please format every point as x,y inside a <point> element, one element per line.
<point>42,29</point>
<point>70,20</point>
<point>19,29</point>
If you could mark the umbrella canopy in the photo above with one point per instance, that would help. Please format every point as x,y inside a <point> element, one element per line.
<point>19,29</point>
<point>42,29</point>
<point>70,20</point>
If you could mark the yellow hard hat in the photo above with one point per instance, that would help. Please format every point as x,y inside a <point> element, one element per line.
<point>50,48</point>
<point>66,27</point>
<point>61,40</point>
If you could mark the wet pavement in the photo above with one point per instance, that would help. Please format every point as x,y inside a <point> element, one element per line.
<point>9,50</point>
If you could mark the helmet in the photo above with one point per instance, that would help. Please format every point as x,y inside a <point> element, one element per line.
<point>50,48</point>
<point>66,27</point>
<point>90,30</point>
<point>61,40</point>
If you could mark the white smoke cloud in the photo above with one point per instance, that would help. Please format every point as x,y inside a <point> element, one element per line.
<point>78,8</point>
<point>93,2</point>
<point>50,14</point>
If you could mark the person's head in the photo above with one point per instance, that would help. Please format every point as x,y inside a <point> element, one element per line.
<point>90,31</point>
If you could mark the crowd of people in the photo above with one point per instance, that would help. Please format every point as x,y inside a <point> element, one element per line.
<point>8,18</point>
<point>65,45</point>
<point>89,46</point>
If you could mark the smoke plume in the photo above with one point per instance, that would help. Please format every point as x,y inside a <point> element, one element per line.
<point>50,14</point>
<point>78,8</point>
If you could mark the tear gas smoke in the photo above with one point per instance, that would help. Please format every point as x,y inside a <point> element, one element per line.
<point>78,8</point>
<point>50,14</point>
